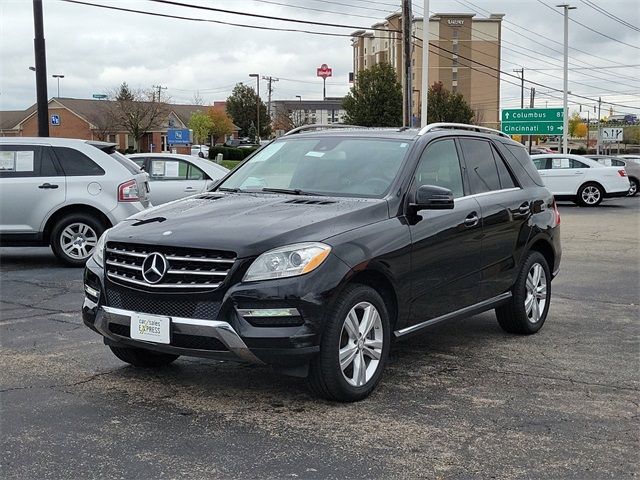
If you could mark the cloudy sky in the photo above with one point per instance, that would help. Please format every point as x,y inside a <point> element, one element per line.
<point>97,49</point>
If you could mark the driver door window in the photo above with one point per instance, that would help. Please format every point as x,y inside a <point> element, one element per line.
<point>439,165</point>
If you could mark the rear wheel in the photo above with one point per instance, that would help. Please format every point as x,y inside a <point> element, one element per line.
<point>633,187</point>
<point>354,347</point>
<point>139,357</point>
<point>590,195</point>
<point>526,311</point>
<point>74,237</point>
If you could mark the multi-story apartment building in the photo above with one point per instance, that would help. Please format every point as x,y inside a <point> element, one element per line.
<point>464,55</point>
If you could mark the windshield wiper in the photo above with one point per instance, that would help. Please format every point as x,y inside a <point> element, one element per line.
<point>290,191</point>
<point>225,189</point>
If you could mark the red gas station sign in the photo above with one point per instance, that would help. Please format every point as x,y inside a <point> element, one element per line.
<point>324,71</point>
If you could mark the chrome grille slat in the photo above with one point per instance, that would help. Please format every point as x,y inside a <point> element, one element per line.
<point>162,285</point>
<point>187,268</point>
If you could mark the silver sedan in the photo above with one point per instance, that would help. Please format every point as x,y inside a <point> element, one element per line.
<point>173,176</point>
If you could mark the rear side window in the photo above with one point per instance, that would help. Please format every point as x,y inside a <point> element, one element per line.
<point>168,169</point>
<point>481,167</point>
<point>18,161</point>
<point>542,163</point>
<point>76,164</point>
<point>506,180</point>
<point>523,160</point>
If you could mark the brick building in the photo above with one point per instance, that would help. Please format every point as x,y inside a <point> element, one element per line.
<point>88,119</point>
<point>464,56</point>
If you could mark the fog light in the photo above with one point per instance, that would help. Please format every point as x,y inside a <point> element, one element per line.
<point>269,312</point>
<point>91,292</point>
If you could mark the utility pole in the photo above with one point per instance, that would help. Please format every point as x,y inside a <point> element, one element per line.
<point>406,40</point>
<point>160,88</point>
<point>425,65</point>
<point>41,69</point>
<point>565,96</point>
<point>269,80</point>
<point>598,137</point>
<point>532,99</point>
<point>520,71</point>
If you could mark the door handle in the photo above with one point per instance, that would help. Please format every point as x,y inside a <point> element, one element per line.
<point>524,208</point>
<point>189,189</point>
<point>47,185</point>
<point>471,220</point>
<point>578,173</point>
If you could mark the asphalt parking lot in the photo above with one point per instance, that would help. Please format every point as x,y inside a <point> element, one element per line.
<point>462,400</point>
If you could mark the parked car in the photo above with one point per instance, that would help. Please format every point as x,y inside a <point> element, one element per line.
<point>631,166</point>
<point>323,246</point>
<point>580,179</point>
<point>201,151</point>
<point>65,193</point>
<point>240,143</point>
<point>175,176</point>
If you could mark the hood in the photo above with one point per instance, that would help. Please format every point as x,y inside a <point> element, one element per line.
<point>248,223</point>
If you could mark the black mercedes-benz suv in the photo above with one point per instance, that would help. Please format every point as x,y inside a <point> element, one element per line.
<point>325,245</point>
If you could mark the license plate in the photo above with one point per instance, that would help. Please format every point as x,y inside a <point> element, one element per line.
<point>150,328</point>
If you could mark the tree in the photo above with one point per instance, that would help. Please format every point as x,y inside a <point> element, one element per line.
<point>574,121</point>
<point>221,124</point>
<point>201,124</point>
<point>242,106</point>
<point>445,106</point>
<point>581,130</point>
<point>136,111</point>
<point>376,98</point>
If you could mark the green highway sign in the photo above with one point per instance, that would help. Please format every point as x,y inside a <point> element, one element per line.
<point>532,128</point>
<point>99,96</point>
<point>532,121</point>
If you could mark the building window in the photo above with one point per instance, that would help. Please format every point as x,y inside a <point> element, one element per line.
<point>454,76</point>
<point>456,32</point>
<point>454,61</point>
<point>413,76</point>
<point>365,49</point>
<point>454,89</point>
<point>455,48</point>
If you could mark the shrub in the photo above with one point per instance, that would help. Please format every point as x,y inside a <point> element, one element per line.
<point>230,153</point>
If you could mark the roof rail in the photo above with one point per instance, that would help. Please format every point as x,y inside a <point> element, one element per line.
<point>319,126</point>
<point>460,126</point>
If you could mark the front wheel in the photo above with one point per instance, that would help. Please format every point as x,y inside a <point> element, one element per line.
<point>527,309</point>
<point>354,347</point>
<point>590,195</point>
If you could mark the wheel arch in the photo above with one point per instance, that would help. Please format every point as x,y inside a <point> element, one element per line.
<point>385,288</point>
<point>544,247</point>
<point>71,209</point>
<point>588,182</point>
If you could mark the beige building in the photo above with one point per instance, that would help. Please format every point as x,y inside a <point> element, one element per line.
<point>464,56</point>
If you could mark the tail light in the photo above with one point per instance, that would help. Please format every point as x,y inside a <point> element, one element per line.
<point>622,173</point>
<point>128,192</point>
<point>556,214</point>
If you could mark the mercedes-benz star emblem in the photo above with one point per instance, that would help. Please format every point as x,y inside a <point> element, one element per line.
<point>154,267</point>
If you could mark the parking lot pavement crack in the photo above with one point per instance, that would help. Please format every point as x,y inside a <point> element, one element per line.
<point>594,300</point>
<point>61,385</point>
<point>566,379</point>
<point>31,307</point>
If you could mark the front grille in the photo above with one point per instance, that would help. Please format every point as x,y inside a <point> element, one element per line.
<point>186,268</point>
<point>186,306</point>
<point>181,340</point>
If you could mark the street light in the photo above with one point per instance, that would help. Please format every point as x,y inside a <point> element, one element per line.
<point>299,110</point>
<point>565,100</point>
<point>257,77</point>
<point>58,76</point>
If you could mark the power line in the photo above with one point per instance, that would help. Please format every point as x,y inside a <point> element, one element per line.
<point>589,28</point>
<point>314,9</point>
<point>598,8</point>
<point>268,17</point>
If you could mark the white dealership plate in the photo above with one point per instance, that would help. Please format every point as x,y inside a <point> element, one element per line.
<point>150,328</point>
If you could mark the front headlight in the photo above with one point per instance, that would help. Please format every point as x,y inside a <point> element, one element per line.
<point>288,261</point>
<point>98,252</point>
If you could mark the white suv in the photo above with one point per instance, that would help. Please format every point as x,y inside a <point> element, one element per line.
<point>65,193</point>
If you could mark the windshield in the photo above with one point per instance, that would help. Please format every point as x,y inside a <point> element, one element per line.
<point>358,167</point>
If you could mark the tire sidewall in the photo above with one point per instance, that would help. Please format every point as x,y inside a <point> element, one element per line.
<point>54,240</point>
<point>635,182</point>
<point>520,292</point>
<point>330,344</point>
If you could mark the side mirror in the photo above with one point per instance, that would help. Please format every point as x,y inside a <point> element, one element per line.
<point>432,197</point>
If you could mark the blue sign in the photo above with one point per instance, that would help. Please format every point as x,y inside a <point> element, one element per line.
<point>179,136</point>
<point>55,119</point>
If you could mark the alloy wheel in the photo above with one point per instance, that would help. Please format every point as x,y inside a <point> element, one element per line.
<point>78,240</point>
<point>361,341</point>
<point>536,298</point>
<point>633,188</point>
<point>591,195</point>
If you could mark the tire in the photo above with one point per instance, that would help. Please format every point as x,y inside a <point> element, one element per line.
<point>633,189</point>
<point>327,378</point>
<point>139,357</point>
<point>590,195</point>
<point>76,227</point>
<point>515,316</point>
